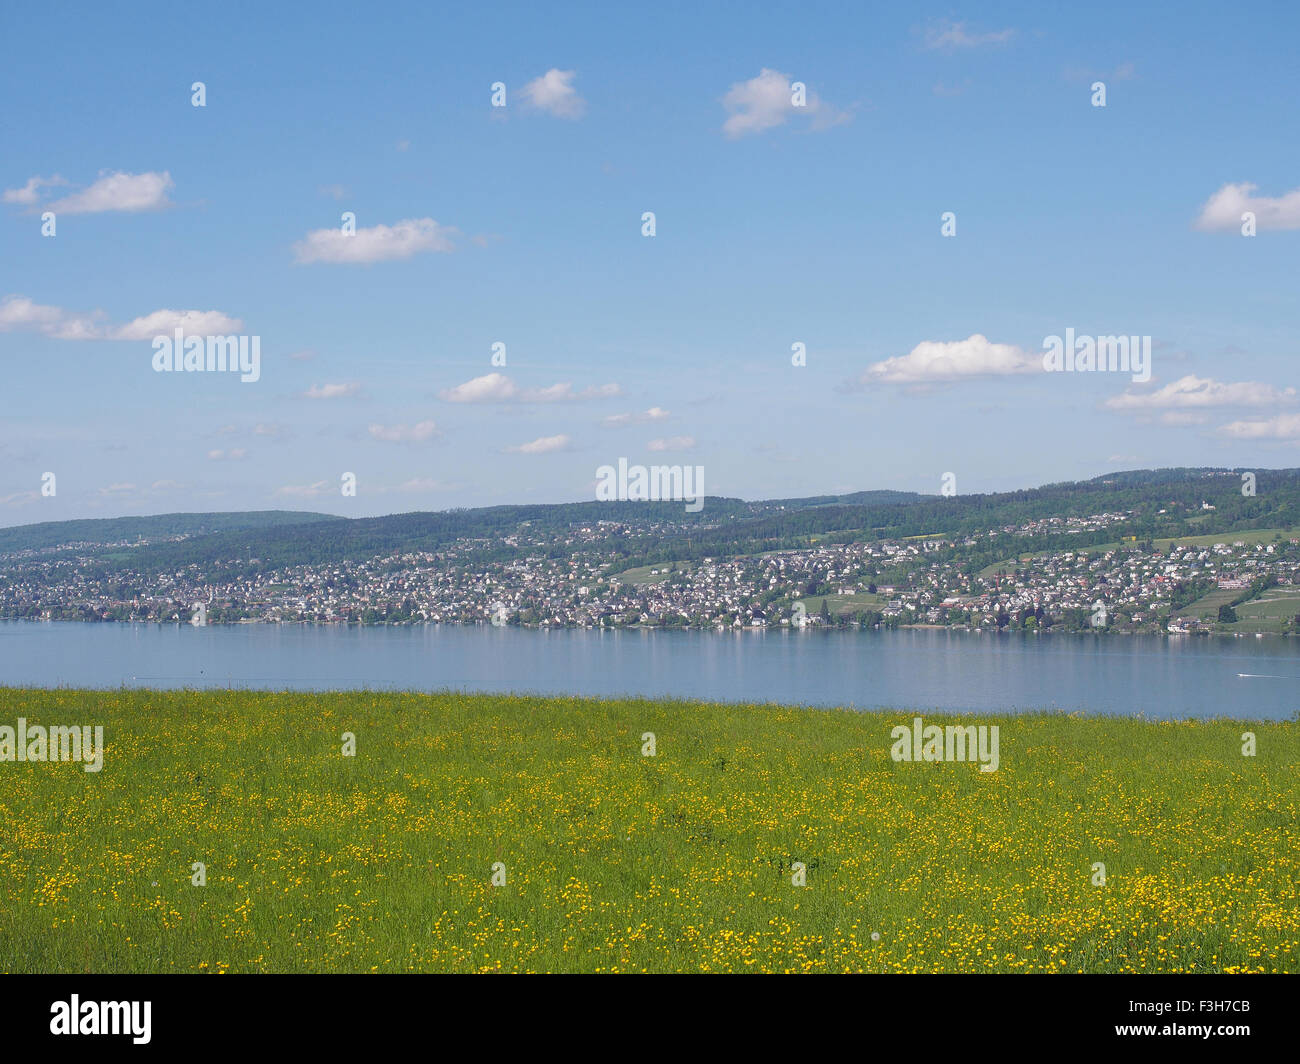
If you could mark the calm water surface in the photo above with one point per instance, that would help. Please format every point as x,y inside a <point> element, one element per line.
<point>912,669</point>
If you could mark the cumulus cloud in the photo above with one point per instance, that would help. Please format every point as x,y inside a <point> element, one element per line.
<point>554,94</point>
<point>542,445</point>
<point>119,191</point>
<point>1192,391</point>
<point>191,322</point>
<point>1282,427</point>
<point>498,388</point>
<point>940,360</point>
<point>767,101</point>
<point>945,35</point>
<point>421,432</point>
<point>233,455</point>
<point>672,443</point>
<point>1224,209</point>
<point>379,243</point>
<point>20,314</point>
<point>331,391</point>
<point>653,414</point>
<point>29,193</point>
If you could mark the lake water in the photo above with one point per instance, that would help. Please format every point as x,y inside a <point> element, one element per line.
<point>913,669</point>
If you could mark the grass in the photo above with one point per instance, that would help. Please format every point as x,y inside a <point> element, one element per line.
<point>841,604</point>
<point>1206,608</point>
<point>616,861</point>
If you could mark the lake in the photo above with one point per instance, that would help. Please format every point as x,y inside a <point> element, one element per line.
<point>923,669</point>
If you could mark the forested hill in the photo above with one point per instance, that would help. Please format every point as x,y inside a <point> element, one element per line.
<point>1160,503</point>
<point>103,531</point>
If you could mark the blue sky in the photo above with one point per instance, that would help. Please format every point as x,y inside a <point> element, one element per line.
<point>775,224</point>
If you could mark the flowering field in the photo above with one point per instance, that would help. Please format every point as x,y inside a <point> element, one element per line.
<point>606,859</point>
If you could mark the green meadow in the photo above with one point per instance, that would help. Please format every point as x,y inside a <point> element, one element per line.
<point>490,833</point>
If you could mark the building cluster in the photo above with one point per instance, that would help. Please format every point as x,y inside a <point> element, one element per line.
<point>577,578</point>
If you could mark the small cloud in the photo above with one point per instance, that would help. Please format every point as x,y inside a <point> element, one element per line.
<point>18,313</point>
<point>303,491</point>
<point>270,430</point>
<point>331,391</point>
<point>119,192</point>
<point>166,322</point>
<point>939,360</point>
<point>334,192</point>
<point>116,490</point>
<point>554,94</point>
<point>767,101</point>
<point>379,243</point>
<point>235,454</point>
<point>672,443</point>
<point>1282,427</point>
<point>498,388</point>
<point>945,35</point>
<point>422,432</point>
<point>653,414</point>
<point>1192,391</point>
<point>542,445</point>
<point>1224,209</point>
<point>29,193</point>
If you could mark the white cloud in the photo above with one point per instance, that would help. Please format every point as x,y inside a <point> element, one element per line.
<point>331,391</point>
<point>542,445</point>
<point>554,93</point>
<point>420,432</point>
<point>766,101</point>
<point>672,443</point>
<point>119,192</point>
<point>30,192</point>
<point>379,243</point>
<point>940,360</point>
<point>498,388</point>
<point>655,413</point>
<point>1282,427</point>
<point>1192,391</point>
<point>18,313</point>
<point>945,35</point>
<point>166,322</point>
<point>1224,209</point>
<point>300,491</point>
<point>233,455</point>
